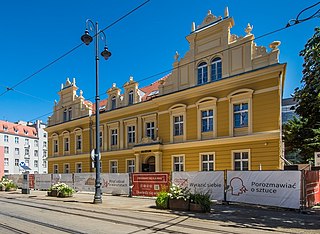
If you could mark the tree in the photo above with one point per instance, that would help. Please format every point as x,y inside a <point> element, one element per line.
<point>303,134</point>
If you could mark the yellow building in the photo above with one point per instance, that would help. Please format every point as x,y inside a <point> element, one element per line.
<point>220,108</point>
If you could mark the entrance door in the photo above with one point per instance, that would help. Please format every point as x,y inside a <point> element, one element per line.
<point>150,165</point>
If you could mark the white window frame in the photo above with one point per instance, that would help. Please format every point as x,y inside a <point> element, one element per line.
<point>113,102</point>
<point>16,151</point>
<point>214,63</point>
<point>6,150</point>
<point>241,151</point>
<point>36,163</point>
<point>241,112</point>
<point>173,163</point>
<point>131,134</point>
<point>205,104</point>
<point>6,138</point>
<point>16,162</point>
<point>36,143</point>
<point>178,129</point>
<point>6,162</point>
<point>236,97</point>
<point>55,168</point>
<point>112,167</point>
<point>16,140</point>
<point>130,168</point>
<point>78,167</point>
<point>66,144</point>
<point>202,68</point>
<point>174,111</point>
<point>150,130</point>
<point>148,119</point>
<point>114,137</point>
<point>55,143</point>
<point>208,161</point>
<point>66,168</point>
<point>131,97</point>
<point>36,153</point>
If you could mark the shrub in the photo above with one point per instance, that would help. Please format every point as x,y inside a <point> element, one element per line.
<point>63,189</point>
<point>203,199</point>
<point>162,200</point>
<point>6,184</point>
<point>176,192</point>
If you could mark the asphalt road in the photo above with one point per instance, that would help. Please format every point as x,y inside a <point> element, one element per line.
<point>37,213</point>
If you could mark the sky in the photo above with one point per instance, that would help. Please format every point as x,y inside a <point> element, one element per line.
<point>143,44</point>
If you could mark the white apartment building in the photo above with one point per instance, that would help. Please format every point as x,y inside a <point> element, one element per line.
<point>23,143</point>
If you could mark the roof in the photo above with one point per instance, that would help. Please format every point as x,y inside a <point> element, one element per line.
<point>17,129</point>
<point>149,92</point>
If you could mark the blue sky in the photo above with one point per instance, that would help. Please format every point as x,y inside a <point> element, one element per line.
<point>36,32</point>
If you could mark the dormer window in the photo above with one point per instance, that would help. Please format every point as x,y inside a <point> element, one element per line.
<point>113,103</point>
<point>15,130</point>
<point>202,73</point>
<point>25,131</point>
<point>70,113</point>
<point>5,128</point>
<point>216,69</point>
<point>130,97</point>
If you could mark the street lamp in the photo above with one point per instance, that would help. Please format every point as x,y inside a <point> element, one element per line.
<point>87,39</point>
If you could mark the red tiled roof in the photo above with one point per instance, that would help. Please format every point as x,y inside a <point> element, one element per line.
<point>17,129</point>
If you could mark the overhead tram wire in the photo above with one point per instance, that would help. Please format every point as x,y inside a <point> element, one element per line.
<point>70,51</point>
<point>296,21</point>
<point>259,37</point>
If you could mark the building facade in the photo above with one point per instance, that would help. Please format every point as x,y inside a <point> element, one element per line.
<point>219,108</point>
<point>25,143</point>
<point>288,109</point>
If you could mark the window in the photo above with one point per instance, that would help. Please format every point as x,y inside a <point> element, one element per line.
<point>113,102</point>
<point>207,120</point>
<point>150,130</point>
<point>70,113</point>
<point>16,162</point>
<point>36,143</point>
<point>207,161</point>
<point>66,168</point>
<point>55,146</point>
<point>27,162</point>
<point>78,142</point>
<point>36,153</point>
<point>16,140</point>
<point>216,69</point>
<point>26,152</point>
<point>35,163</point>
<point>178,163</point>
<point>44,154</point>
<point>6,138</point>
<point>66,144</point>
<point>202,73</point>
<point>25,131</point>
<point>100,138</point>
<point>113,166</point>
<point>131,134</point>
<point>55,169</point>
<point>114,136</point>
<point>6,149</point>
<point>44,144</point>
<point>44,164</point>
<point>15,130</point>
<point>5,128</point>
<point>79,167</point>
<point>178,125</point>
<point>130,97</point>
<point>241,160</point>
<point>6,161</point>
<point>16,151</point>
<point>130,165</point>
<point>240,112</point>
<point>44,135</point>
<point>26,142</point>
<point>65,115</point>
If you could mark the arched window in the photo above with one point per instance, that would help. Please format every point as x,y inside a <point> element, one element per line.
<point>202,73</point>
<point>70,113</point>
<point>113,103</point>
<point>65,115</point>
<point>216,69</point>
<point>130,97</point>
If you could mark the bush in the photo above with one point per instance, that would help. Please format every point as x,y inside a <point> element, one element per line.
<point>6,184</point>
<point>177,192</point>
<point>62,189</point>
<point>162,200</point>
<point>203,199</point>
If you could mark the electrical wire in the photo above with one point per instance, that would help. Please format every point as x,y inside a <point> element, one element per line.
<point>70,51</point>
<point>170,70</point>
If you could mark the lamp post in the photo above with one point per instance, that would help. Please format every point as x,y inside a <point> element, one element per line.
<point>87,39</point>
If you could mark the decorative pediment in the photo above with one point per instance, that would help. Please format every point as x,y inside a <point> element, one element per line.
<point>210,18</point>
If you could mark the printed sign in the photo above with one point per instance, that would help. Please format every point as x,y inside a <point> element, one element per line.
<point>84,182</point>
<point>201,182</point>
<point>312,188</point>
<point>150,184</point>
<point>273,188</point>
<point>115,183</point>
<point>31,181</point>
<point>42,181</point>
<point>17,179</point>
<point>317,159</point>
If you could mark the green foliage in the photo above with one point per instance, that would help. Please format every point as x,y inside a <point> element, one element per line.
<point>203,199</point>
<point>63,189</point>
<point>176,192</point>
<point>6,184</point>
<point>162,200</point>
<point>303,134</point>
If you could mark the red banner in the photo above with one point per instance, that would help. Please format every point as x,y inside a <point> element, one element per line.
<point>312,188</point>
<point>150,184</point>
<point>31,181</point>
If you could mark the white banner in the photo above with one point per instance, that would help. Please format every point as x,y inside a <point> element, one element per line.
<point>63,178</point>
<point>115,183</point>
<point>42,181</point>
<point>211,182</point>
<point>273,188</point>
<point>17,179</point>
<point>84,182</point>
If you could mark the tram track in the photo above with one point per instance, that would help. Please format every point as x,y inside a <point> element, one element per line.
<point>12,229</point>
<point>114,218</point>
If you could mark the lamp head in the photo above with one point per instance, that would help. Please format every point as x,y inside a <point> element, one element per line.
<point>86,38</point>
<point>106,53</point>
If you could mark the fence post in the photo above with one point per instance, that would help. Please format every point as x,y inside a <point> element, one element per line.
<point>225,188</point>
<point>303,191</point>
